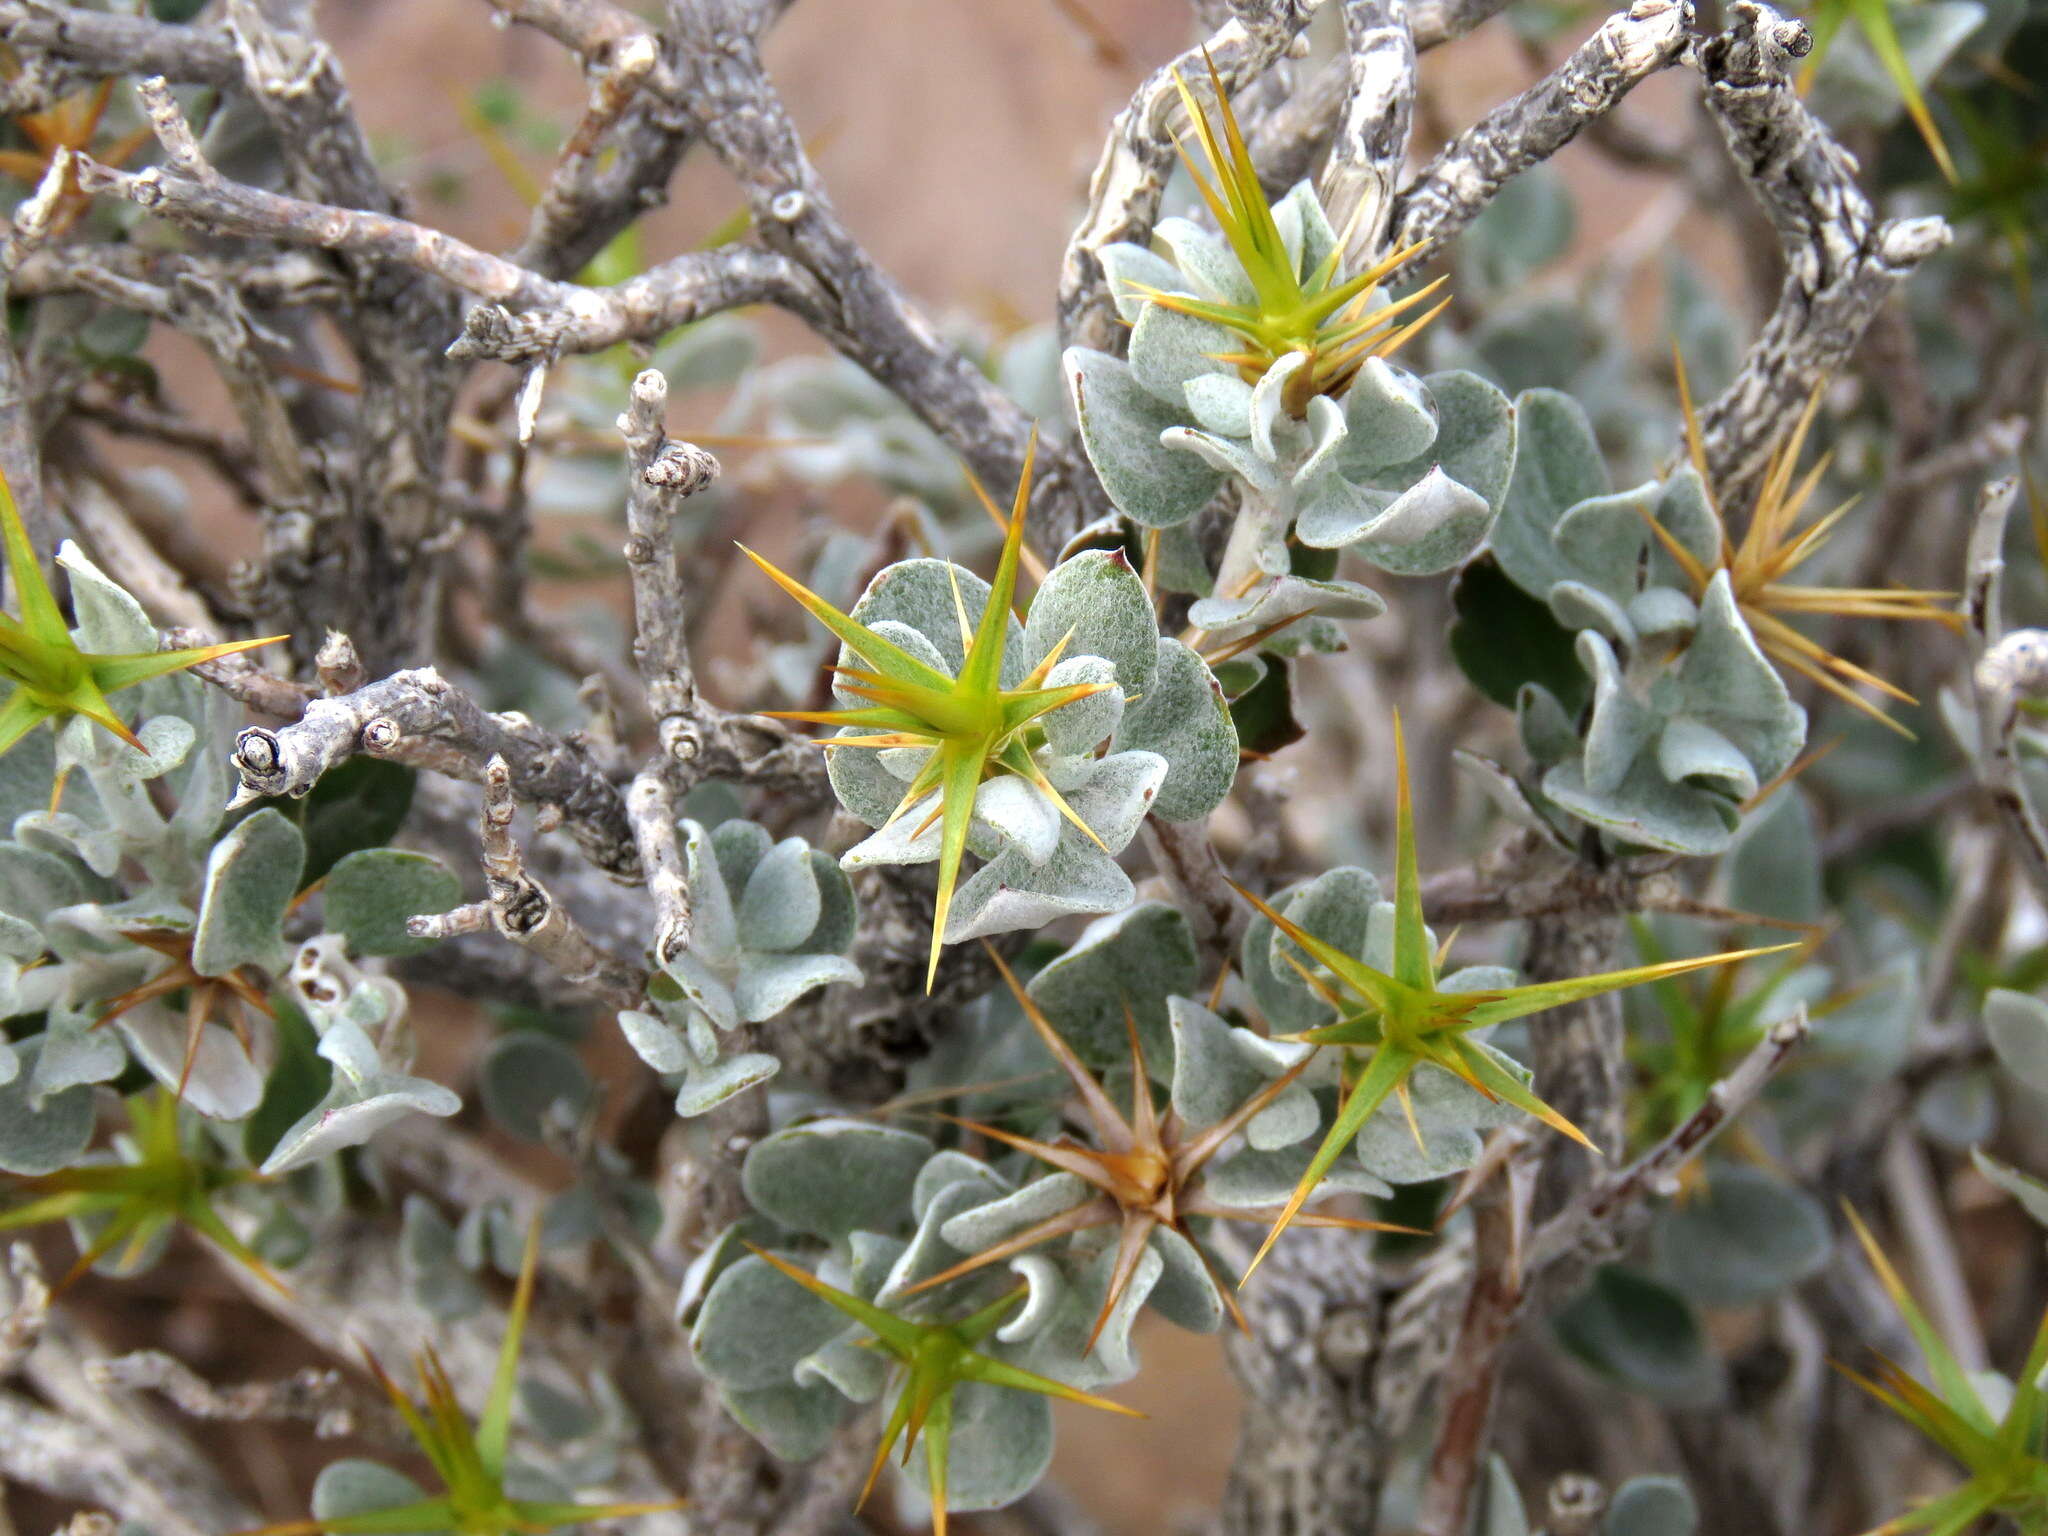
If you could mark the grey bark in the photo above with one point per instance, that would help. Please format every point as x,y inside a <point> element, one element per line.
<point>1841,261</point>
<point>1311,1454</point>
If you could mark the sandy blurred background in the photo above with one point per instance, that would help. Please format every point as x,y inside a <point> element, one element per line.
<point>956,135</point>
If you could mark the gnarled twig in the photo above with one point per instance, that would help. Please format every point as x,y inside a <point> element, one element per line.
<point>1841,262</point>
<point>519,907</point>
<point>1628,48</point>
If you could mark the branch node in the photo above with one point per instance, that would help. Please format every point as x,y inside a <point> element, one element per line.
<point>520,908</point>
<point>681,742</point>
<point>1905,243</point>
<point>495,332</point>
<point>337,665</point>
<point>683,468</point>
<point>384,736</point>
<point>1791,37</point>
<point>259,757</point>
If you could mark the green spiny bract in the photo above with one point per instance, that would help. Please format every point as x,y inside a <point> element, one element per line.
<point>1705,1026</point>
<point>770,923</point>
<point>55,677</point>
<point>1254,357</point>
<point>862,1206</point>
<point>933,1233</point>
<point>962,729</point>
<point>936,1359</point>
<point>1292,300</point>
<point>1999,1436</point>
<point>1392,1021</point>
<point>473,1461</point>
<point>1137,971</point>
<point>1145,1169</point>
<point>163,1175</point>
